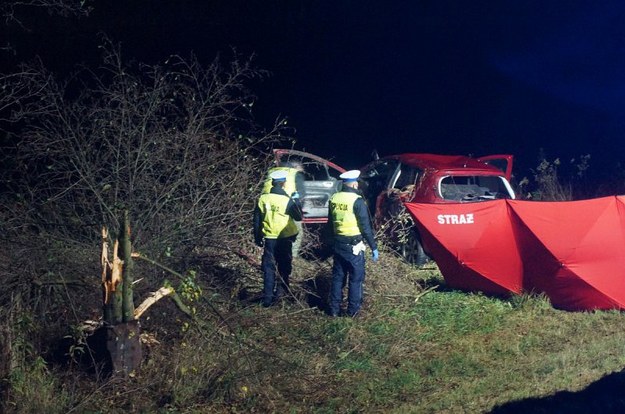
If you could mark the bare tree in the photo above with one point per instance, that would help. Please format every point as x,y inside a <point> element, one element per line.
<point>175,144</point>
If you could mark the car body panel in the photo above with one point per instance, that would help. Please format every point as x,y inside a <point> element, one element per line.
<point>503,162</point>
<point>321,180</point>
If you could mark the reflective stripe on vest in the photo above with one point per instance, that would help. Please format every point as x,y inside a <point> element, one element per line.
<point>342,212</point>
<point>277,224</point>
<point>289,185</point>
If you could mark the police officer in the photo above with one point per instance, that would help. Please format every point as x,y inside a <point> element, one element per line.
<point>351,227</point>
<point>274,228</point>
<point>294,185</point>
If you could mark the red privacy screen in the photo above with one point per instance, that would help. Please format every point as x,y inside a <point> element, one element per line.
<point>573,251</point>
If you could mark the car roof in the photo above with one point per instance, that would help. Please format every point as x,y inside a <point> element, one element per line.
<point>442,162</point>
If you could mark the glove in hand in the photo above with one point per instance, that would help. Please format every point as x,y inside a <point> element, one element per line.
<point>295,195</point>
<point>375,255</point>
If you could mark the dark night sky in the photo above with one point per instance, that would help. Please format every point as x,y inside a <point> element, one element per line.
<point>465,77</point>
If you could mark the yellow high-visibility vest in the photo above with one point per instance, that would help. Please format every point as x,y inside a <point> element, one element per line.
<point>342,211</point>
<point>276,224</point>
<point>289,185</point>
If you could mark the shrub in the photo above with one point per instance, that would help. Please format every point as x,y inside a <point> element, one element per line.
<point>173,143</point>
<point>549,184</point>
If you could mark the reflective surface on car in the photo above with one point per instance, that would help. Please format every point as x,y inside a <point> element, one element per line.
<point>473,188</point>
<point>321,180</point>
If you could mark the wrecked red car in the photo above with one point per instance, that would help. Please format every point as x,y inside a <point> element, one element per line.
<point>389,182</point>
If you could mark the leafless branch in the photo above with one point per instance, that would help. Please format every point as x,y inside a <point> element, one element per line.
<point>175,143</point>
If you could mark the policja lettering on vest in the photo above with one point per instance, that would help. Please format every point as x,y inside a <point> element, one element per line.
<point>275,230</point>
<point>351,227</point>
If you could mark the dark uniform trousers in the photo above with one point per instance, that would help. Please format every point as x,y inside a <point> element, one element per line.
<point>349,268</point>
<point>277,255</point>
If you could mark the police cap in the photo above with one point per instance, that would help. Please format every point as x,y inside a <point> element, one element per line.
<point>351,175</point>
<point>279,175</point>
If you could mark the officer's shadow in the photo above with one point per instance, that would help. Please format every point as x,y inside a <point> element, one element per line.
<point>317,290</point>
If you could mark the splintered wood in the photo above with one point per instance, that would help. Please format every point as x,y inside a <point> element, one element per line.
<point>111,271</point>
<point>152,299</point>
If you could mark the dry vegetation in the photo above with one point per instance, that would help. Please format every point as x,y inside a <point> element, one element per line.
<point>418,347</point>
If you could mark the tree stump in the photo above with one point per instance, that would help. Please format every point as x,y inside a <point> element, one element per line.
<point>124,347</point>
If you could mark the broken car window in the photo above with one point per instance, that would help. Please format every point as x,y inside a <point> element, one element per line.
<point>473,188</point>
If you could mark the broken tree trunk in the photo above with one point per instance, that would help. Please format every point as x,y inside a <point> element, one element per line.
<point>122,330</point>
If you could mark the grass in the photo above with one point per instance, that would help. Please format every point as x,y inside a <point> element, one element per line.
<point>414,349</point>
